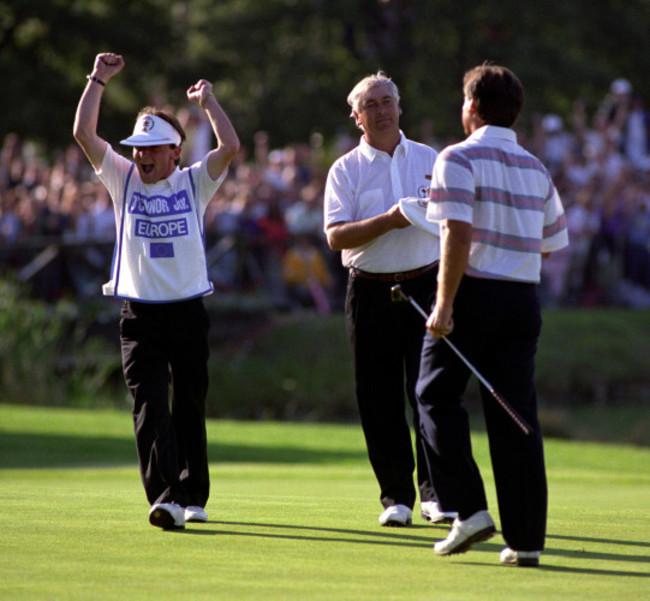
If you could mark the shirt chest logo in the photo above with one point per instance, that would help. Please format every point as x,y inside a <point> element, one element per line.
<point>423,191</point>
<point>159,218</point>
<point>159,205</point>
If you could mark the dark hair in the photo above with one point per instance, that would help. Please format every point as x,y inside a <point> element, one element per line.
<point>497,93</point>
<point>171,119</point>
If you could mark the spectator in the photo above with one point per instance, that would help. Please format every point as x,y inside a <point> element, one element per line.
<point>306,276</point>
<point>556,143</point>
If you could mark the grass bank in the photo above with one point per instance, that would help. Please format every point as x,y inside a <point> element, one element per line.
<point>592,373</point>
<point>592,364</point>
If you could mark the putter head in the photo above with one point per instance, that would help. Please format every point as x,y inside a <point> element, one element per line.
<point>396,294</point>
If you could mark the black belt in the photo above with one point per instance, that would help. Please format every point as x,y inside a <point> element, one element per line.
<point>392,277</point>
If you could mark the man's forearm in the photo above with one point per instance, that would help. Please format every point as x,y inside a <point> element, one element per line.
<point>356,233</point>
<point>456,238</point>
<point>228,141</point>
<point>221,125</point>
<point>85,123</point>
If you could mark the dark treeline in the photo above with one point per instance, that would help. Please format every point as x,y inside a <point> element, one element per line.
<point>286,66</point>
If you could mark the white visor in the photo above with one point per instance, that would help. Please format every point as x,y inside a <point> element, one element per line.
<point>150,130</point>
<point>415,210</point>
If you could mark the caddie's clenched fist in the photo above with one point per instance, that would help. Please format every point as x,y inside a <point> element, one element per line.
<point>107,65</point>
<point>200,92</point>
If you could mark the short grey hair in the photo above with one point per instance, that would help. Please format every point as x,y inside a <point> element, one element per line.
<point>359,91</point>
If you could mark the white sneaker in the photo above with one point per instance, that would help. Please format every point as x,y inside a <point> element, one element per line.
<point>167,516</point>
<point>431,512</point>
<point>194,513</point>
<point>396,515</point>
<point>520,558</point>
<point>464,533</point>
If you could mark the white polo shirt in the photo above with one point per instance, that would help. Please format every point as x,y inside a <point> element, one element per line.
<point>366,182</point>
<point>159,251</point>
<point>508,197</point>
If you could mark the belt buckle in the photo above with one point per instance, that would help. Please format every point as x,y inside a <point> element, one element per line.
<point>399,277</point>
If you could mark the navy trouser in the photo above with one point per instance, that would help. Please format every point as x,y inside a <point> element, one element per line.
<point>496,326</point>
<point>165,344</point>
<point>386,340</point>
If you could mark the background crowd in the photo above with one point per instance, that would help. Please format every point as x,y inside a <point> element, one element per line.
<point>264,227</point>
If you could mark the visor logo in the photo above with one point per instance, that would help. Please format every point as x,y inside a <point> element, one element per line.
<point>147,124</point>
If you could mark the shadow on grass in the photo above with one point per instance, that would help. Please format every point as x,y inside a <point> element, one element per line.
<point>606,541</point>
<point>582,555</point>
<point>567,569</point>
<point>578,569</point>
<point>404,538</point>
<point>23,451</point>
<point>386,536</point>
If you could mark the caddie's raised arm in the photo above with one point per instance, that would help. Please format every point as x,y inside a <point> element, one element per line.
<point>228,142</point>
<point>106,66</point>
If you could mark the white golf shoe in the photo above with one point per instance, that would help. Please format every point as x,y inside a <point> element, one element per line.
<point>167,516</point>
<point>194,513</point>
<point>464,533</point>
<point>521,558</point>
<point>431,512</point>
<point>396,515</point>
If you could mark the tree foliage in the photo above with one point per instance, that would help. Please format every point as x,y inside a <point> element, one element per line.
<point>286,66</point>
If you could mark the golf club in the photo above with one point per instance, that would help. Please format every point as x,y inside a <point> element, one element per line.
<point>398,295</point>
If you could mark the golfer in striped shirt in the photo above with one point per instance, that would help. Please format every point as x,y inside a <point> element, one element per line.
<point>499,213</point>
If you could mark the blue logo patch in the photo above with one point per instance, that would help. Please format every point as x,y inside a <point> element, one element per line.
<point>161,250</point>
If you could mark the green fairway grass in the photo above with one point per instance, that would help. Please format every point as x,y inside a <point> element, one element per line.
<point>292,516</point>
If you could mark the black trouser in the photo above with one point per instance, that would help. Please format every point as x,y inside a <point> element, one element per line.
<point>496,326</point>
<point>162,344</point>
<point>386,340</point>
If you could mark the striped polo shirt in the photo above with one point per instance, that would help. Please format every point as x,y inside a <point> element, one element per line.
<point>508,197</point>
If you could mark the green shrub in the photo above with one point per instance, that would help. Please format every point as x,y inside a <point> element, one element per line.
<point>596,355</point>
<point>299,366</point>
<point>45,356</point>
